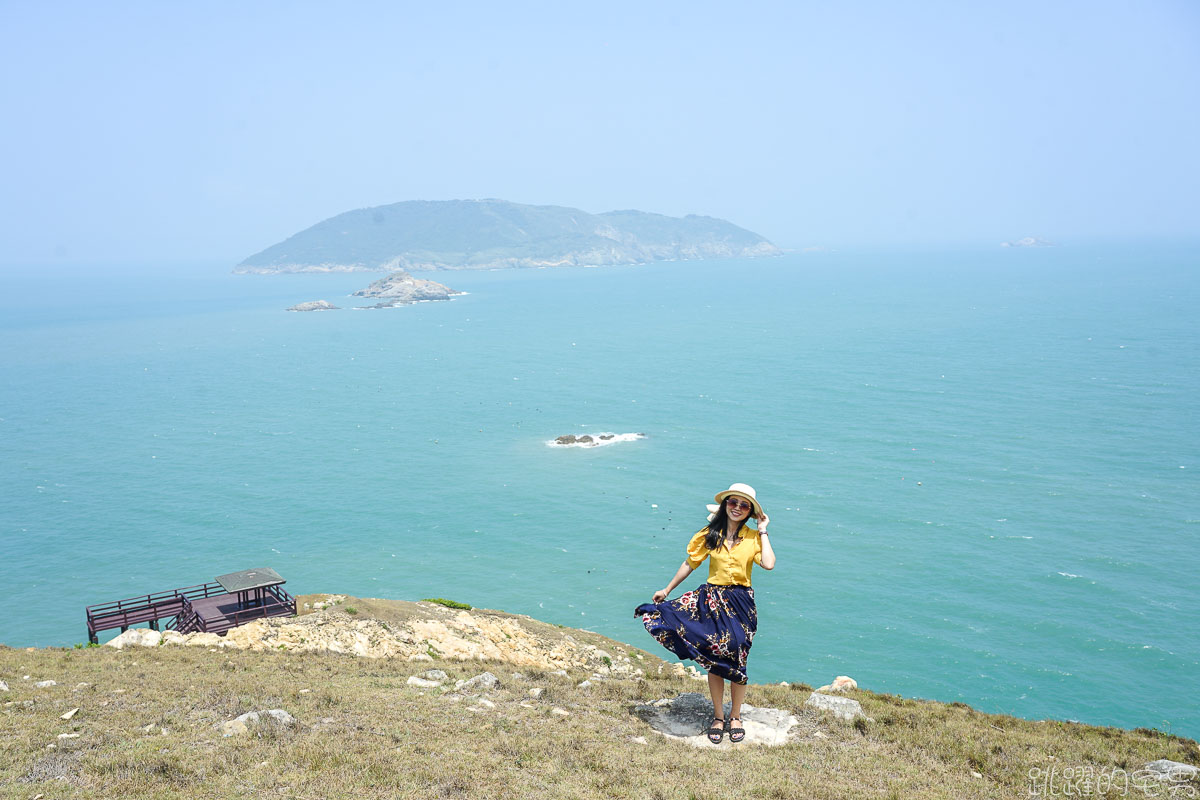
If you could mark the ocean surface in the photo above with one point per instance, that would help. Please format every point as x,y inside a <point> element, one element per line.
<point>982,468</point>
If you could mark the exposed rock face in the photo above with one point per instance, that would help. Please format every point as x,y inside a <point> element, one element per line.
<point>425,631</point>
<point>687,716</point>
<point>401,289</point>
<point>314,305</point>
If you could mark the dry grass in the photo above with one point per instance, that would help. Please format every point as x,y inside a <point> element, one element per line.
<point>364,733</point>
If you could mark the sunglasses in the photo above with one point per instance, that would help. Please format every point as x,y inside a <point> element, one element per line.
<point>734,502</point>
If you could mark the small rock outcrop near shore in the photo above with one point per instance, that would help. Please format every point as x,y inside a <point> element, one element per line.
<point>314,305</point>
<point>416,632</point>
<point>402,289</point>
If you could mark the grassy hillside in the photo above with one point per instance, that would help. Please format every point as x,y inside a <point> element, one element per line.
<point>147,716</point>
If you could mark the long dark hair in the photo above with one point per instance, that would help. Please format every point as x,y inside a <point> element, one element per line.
<point>716,527</point>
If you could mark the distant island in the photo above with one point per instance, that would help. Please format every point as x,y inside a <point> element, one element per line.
<point>496,234</point>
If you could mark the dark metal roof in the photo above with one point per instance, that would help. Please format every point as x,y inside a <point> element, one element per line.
<point>249,579</point>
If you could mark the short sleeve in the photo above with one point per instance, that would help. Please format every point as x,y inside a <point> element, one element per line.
<point>758,550</point>
<point>696,551</point>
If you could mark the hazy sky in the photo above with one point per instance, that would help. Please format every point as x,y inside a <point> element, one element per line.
<point>196,131</point>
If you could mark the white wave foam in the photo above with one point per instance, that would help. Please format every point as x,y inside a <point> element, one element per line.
<point>597,439</point>
<point>1068,575</point>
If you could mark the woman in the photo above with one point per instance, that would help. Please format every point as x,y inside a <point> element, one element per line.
<point>714,624</point>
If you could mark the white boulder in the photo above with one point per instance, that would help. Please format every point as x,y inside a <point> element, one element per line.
<point>135,637</point>
<point>241,725</point>
<point>842,683</point>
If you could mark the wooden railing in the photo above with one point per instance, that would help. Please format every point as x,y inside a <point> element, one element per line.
<point>144,608</point>
<point>177,604</point>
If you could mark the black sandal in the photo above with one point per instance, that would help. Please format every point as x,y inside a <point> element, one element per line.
<point>716,732</point>
<point>736,734</point>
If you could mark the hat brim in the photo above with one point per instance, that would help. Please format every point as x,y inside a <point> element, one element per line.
<point>720,498</point>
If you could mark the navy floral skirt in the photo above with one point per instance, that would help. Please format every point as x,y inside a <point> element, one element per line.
<point>712,625</point>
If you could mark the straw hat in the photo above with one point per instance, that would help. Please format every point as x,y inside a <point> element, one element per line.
<point>741,490</point>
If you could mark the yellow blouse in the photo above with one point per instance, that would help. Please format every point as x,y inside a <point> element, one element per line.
<point>727,565</point>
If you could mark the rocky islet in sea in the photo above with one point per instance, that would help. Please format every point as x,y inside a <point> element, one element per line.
<point>314,305</point>
<point>589,440</point>
<point>397,289</point>
<point>402,289</point>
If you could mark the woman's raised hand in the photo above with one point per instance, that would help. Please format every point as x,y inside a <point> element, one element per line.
<point>762,522</point>
<point>660,595</point>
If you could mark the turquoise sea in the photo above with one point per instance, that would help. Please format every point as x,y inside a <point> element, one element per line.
<point>981,466</point>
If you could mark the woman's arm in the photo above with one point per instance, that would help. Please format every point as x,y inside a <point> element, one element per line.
<point>768,554</point>
<point>684,570</point>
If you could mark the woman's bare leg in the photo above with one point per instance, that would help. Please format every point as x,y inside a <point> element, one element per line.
<point>716,688</point>
<point>737,693</point>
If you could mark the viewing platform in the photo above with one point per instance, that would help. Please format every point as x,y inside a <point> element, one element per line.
<point>227,602</point>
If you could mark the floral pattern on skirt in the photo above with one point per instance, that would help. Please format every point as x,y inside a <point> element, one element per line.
<point>712,625</point>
